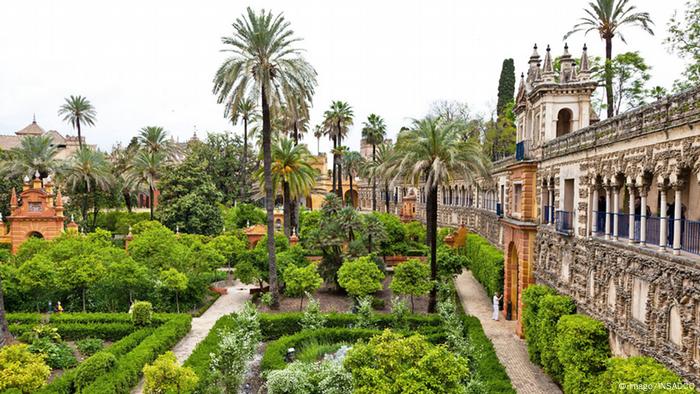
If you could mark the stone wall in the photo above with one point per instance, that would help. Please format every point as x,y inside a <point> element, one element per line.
<point>647,299</point>
<point>477,220</point>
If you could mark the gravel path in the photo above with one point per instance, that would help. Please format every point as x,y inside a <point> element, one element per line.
<point>228,303</point>
<point>525,376</point>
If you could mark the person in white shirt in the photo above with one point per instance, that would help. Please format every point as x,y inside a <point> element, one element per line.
<point>496,309</point>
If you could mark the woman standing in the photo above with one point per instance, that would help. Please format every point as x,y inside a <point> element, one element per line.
<point>496,309</point>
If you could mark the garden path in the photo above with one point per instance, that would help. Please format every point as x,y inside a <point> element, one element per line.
<point>228,303</point>
<point>526,377</point>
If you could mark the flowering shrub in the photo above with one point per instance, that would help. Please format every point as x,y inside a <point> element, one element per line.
<point>312,318</point>
<point>327,377</point>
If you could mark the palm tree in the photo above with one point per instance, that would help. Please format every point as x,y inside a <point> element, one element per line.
<point>336,121</point>
<point>78,110</point>
<point>246,110</point>
<point>122,160</point>
<point>87,172</point>
<point>607,17</point>
<point>154,139</point>
<point>34,154</point>
<point>382,169</point>
<point>318,133</point>
<point>145,172</point>
<point>433,151</point>
<point>374,131</point>
<point>353,163</point>
<point>349,222</point>
<point>295,118</point>
<point>292,173</point>
<point>264,62</point>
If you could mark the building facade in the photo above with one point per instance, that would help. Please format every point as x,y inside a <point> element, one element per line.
<point>607,212</point>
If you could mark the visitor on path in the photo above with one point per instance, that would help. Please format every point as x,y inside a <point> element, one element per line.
<point>496,309</point>
<point>59,308</point>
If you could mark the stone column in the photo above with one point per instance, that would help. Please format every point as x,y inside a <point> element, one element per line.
<point>643,215</point>
<point>677,188</point>
<point>663,231</point>
<point>594,211</point>
<point>550,190</point>
<point>630,226</point>
<point>607,212</point>
<point>616,209</point>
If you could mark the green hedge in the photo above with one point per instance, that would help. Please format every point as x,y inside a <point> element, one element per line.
<point>127,371</point>
<point>582,349</point>
<point>623,373</point>
<point>485,261</point>
<point>276,351</point>
<point>488,367</point>
<point>532,296</point>
<point>75,331</point>
<point>552,308</point>
<point>65,383</point>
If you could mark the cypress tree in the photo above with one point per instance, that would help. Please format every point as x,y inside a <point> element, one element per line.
<point>506,85</point>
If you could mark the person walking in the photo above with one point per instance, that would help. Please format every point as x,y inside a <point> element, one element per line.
<point>496,309</point>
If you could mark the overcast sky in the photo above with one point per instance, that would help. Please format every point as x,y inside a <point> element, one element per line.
<point>152,62</point>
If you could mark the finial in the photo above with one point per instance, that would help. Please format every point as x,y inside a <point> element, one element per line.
<point>248,223</point>
<point>47,179</point>
<point>522,75</point>
<point>177,229</point>
<point>26,179</point>
<point>34,118</point>
<point>36,174</point>
<point>585,47</point>
<point>548,49</point>
<point>0,217</point>
<point>129,229</point>
<point>72,218</point>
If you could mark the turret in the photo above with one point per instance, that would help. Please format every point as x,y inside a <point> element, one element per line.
<point>548,67</point>
<point>36,184</point>
<point>585,68</point>
<point>533,73</point>
<point>567,72</point>
<point>13,199</point>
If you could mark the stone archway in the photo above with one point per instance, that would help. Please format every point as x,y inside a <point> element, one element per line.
<point>354,197</point>
<point>35,234</point>
<point>511,286</point>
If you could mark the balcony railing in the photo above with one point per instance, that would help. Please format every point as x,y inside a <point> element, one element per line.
<point>600,222</point>
<point>690,236</point>
<point>564,222</point>
<point>547,214</point>
<point>522,150</point>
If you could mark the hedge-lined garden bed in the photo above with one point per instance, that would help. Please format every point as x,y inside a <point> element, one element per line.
<point>116,368</point>
<point>284,330</point>
<point>574,350</point>
<point>485,261</point>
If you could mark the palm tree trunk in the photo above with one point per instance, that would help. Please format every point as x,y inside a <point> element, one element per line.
<point>287,207</point>
<point>244,173</point>
<point>387,200</point>
<point>151,195</point>
<point>80,137</point>
<point>608,75</point>
<point>5,336</point>
<point>95,209</point>
<point>318,146</point>
<point>127,201</point>
<point>432,238</point>
<point>269,200</point>
<point>374,181</point>
<point>335,145</point>
<point>352,200</point>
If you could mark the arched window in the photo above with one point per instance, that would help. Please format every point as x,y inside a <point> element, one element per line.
<point>564,121</point>
<point>675,329</point>
<point>612,294</point>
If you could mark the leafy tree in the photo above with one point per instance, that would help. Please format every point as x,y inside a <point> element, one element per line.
<point>176,282</point>
<point>623,373</point>
<point>374,231</point>
<point>146,170</point>
<point>337,121</point>
<point>374,132</point>
<point>684,39</point>
<point>264,61</point>
<point>22,370</point>
<point>188,198</point>
<point>124,277</point>
<point>360,277</point>
<point>630,74</point>
<point>37,278</point>
<point>5,336</point>
<point>607,17</point>
<point>80,273</point>
<point>433,152</point>
<point>391,363</point>
<point>301,280</point>
<point>411,278</point>
<point>506,86</point>
<point>167,375</point>
<point>78,110</point>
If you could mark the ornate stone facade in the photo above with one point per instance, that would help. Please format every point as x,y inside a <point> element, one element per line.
<point>607,212</point>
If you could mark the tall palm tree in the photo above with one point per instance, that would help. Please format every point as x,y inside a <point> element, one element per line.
<point>295,118</point>
<point>352,163</point>
<point>146,170</point>
<point>34,154</point>
<point>77,110</point>
<point>318,133</point>
<point>433,151</point>
<point>339,152</point>
<point>246,110</point>
<point>607,17</point>
<point>154,139</point>
<point>336,122</point>
<point>374,132</point>
<point>292,173</point>
<point>122,159</point>
<point>382,169</point>
<point>87,172</point>
<point>264,62</point>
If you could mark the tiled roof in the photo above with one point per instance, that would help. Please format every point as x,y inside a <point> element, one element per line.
<point>32,129</point>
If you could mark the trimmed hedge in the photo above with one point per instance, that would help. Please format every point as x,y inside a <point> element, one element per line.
<point>276,351</point>
<point>485,261</point>
<point>489,369</point>
<point>74,331</point>
<point>623,374</point>
<point>552,308</point>
<point>128,369</point>
<point>532,296</point>
<point>582,349</point>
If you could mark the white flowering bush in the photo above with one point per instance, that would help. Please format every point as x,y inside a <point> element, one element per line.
<point>365,314</point>
<point>327,377</point>
<point>312,319</point>
<point>399,311</point>
<point>236,348</point>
